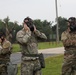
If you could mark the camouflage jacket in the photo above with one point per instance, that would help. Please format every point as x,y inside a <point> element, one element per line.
<point>69,40</point>
<point>5,50</point>
<point>28,41</point>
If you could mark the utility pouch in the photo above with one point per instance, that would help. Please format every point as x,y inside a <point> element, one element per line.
<point>1,67</point>
<point>42,61</point>
<point>41,58</point>
<point>12,69</point>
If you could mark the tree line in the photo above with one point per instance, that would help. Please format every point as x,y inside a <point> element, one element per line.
<point>11,28</point>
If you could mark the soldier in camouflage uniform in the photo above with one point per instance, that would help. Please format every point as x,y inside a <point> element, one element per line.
<point>68,38</point>
<point>5,51</point>
<point>27,38</point>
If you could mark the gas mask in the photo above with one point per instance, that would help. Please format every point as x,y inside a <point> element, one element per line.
<point>29,23</point>
<point>72,27</point>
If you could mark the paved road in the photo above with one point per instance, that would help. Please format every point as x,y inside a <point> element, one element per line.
<point>59,50</point>
<point>16,57</point>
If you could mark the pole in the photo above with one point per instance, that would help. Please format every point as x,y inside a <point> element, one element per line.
<point>57,28</point>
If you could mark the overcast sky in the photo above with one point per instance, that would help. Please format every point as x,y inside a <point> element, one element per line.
<point>17,10</point>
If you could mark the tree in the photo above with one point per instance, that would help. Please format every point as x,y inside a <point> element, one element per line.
<point>9,27</point>
<point>44,26</point>
<point>15,30</point>
<point>62,25</point>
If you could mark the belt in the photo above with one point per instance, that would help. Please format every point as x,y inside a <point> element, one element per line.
<point>70,47</point>
<point>31,55</point>
<point>2,59</point>
<point>32,59</point>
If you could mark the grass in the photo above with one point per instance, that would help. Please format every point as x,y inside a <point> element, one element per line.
<point>16,48</point>
<point>19,70</point>
<point>42,45</point>
<point>45,45</point>
<point>53,66</point>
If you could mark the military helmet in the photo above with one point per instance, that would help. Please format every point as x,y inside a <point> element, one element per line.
<point>72,19</point>
<point>29,23</point>
<point>29,19</point>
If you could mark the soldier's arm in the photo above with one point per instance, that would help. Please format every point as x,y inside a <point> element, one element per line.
<point>66,41</point>
<point>23,38</point>
<point>40,34</point>
<point>69,42</point>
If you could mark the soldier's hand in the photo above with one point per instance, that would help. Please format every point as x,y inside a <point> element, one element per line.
<point>35,28</point>
<point>26,27</point>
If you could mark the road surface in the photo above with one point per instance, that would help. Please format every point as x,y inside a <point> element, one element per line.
<point>16,57</point>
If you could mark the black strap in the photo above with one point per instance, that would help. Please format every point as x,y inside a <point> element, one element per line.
<point>31,55</point>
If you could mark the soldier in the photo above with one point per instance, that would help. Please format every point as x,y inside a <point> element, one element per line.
<point>5,51</point>
<point>68,38</point>
<point>27,38</point>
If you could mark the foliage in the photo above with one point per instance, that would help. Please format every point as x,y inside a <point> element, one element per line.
<point>10,28</point>
<point>44,26</point>
<point>62,26</point>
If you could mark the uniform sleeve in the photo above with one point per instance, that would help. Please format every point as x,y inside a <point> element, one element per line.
<point>40,34</point>
<point>63,36</point>
<point>66,39</point>
<point>23,37</point>
<point>6,48</point>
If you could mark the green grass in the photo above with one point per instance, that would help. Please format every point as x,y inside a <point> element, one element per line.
<point>45,45</point>
<point>19,68</point>
<point>53,66</point>
<point>15,48</point>
<point>42,45</point>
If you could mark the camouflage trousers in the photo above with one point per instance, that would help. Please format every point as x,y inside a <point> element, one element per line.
<point>3,69</point>
<point>31,67</point>
<point>69,65</point>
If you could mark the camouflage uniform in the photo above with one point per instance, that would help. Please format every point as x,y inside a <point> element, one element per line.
<point>28,43</point>
<point>69,42</point>
<point>5,48</point>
